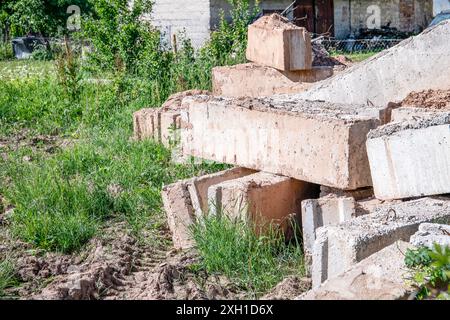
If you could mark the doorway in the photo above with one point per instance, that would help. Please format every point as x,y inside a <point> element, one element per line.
<point>317,16</point>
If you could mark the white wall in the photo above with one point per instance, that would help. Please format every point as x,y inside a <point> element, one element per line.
<point>218,5</point>
<point>175,16</point>
<point>440,5</point>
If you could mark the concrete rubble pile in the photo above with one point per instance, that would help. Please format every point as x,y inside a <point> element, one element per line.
<point>362,173</point>
<point>284,65</point>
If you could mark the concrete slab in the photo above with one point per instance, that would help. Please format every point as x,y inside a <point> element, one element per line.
<point>310,141</point>
<point>381,276</point>
<point>416,64</point>
<point>252,80</point>
<point>286,46</point>
<point>184,201</point>
<point>339,247</point>
<point>162,124</point>
<point>411,114</point>
<point>321,212</point>
<point>145,124</point>
<point>261,199</point>
<point>430,234</point>
<point>411,159</point>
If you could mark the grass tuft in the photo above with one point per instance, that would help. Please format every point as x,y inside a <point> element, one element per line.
<point>255,263</point>
<point>7,276</point>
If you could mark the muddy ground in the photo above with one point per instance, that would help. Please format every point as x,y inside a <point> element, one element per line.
<point>116,266</point>
<point>113,265</point>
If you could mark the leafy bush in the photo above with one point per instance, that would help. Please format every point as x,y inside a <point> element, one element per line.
<point>6,51</point>
<point>256,263</point>
<point>45,17</point>
<point>124,43</point>
<point>430,271</point>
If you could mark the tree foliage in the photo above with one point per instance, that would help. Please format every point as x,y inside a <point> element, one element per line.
<point>44,17</point>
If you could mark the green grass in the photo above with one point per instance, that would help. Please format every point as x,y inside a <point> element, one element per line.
<point>356,56</point>
<point>7,276</point>
<point>63,198</point>
<point>254,263</point>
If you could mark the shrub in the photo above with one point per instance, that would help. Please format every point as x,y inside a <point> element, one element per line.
<point>430,271</point>
<point>6,51</point>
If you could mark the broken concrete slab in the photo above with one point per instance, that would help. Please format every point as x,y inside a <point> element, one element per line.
<point>430,234</point>
<point>286,46</point>
<point>316,142</point>
<point>162,124</point>
<point>184,201</point>
<point>145,124</point>
<point>418,63</point>
<point>381,276</point>
<point>321,212</point>
<point>413,114</point>
<point>410,159</point>
<point>252,80</point>
<point>262,199</point>
<point>338,247</point>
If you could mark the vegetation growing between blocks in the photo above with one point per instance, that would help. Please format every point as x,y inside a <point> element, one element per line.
<point>69,167</point>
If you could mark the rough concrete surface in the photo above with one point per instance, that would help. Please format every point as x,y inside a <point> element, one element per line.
<point>382,276</point>
<point>411,159</point>
<point>403,114</point>
<point>321,212</point>
<point>338,247</point>
<point>430,234</point>
<point>418,63</point>
<point>184,200</point>
<point>310,141</point>
<point>162,124</point>
<point>286,46</point>
<point>252,80</point>
<point>262,199</point>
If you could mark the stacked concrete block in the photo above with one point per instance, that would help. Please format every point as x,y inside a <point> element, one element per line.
<point>162,124</point>
<point>381,276</point>
<point>321,212</point>
<point>261,200</point>
<point>316,142</point>
<point>339,247</point>
<point>275,42</point>
<point>411,159</point>
<point>146,124</point>
<point>185,200</point>
<point>252,80</point>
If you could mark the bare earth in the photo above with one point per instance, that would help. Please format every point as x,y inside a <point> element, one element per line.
<point>430,99</point>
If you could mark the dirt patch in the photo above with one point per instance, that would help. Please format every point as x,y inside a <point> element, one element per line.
<point>38,143</point>
<point>275,21</point>
<point>112,267</point>
<point>429,99</point>
<point>289,289</point>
